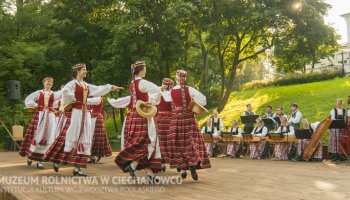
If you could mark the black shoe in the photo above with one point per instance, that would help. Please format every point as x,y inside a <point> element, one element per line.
<point>98,158</point>
<point>152,179</point>
<point>130,170</point>
<point>92,160</point>
<point>163,168</point>
<point>183,175</point>
<point>178,169</point>
<point>55,167</point>
<point>194,173</point>
<point>29,162</point>
<point>39,166</point>
<point>78,173</point>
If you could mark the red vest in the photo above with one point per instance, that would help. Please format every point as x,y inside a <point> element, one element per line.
<point>164,106</point>
<point>176,95</point>
<point>41,101</point>
<point>139,95</point>
<point>79,96</point>
<point>97,108</point>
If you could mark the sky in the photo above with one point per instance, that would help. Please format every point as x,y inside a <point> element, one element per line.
<point>339,7</point>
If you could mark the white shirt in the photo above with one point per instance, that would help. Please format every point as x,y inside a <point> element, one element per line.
<point>296,119</point>
<point>197,96</point>
<point>284,129</point>
<point>263,134</point>
<point>244,113</point>
<point>32,99</point>
<point>215,131</point>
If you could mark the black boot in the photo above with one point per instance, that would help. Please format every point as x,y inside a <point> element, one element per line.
<point>78,173</point>
<point>163,168</point>
<point>98,158</point>
<point>29,162</point>
<point>55,167</point>
<point>194,173</point>
<point>131,171</point>
<point>92,160</point>
<point>39,166</point>
<point>183,175</point>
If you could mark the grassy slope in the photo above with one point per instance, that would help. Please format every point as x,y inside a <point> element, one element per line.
<point>315,99</point>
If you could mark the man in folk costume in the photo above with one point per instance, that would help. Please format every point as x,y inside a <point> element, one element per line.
<point>282,149</point>
<point>188,149</point>
<point>141,144</point>
<point>73,144</point>
<point>269,115</point>
<point>163,119</point>
<point>41,131</point>
<point>336,135</point>
<point>346,142</point>
<point>218,125</point>
<point>295,117</point>
<point>248,127</point>
<point>100,144</point>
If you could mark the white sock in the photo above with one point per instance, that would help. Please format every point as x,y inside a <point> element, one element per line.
<point>76,169</point>
<point>134,164</point>
<point>149,172</point>
<point>39,163</point>
<point>183,171</point>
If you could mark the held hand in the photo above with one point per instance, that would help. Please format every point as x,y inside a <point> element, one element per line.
<point>116,88</point>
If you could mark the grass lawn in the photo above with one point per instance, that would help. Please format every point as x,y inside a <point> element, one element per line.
<point>315,100</point>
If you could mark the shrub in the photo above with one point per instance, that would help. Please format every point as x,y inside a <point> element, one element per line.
<point>292,79</point>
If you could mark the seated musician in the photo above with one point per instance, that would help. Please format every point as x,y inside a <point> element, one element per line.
<point>234,147</point>
<point>301,144</point>
<point>210,129</point>
<point>257,148</point>
<point>269,115</point>
<point>282,149</point>
<point>218,125</point>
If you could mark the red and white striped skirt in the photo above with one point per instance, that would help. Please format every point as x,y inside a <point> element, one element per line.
<point>136,143</point>
<point>256,149</point>
<point>188,146</point>
<point>233,148</point>
<point>334,135</point>
<point>100,144</point>
<point>301,144</point>
<point>281,150</point>
<point>28,139</point>
<point>163,128</point>
<point>56,152</point>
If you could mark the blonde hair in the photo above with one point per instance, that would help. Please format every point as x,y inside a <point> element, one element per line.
<point>340,100</point>
<point>284,119</point>
<point>235,121</point>
<point>305,121</point>
<point>259,120</point>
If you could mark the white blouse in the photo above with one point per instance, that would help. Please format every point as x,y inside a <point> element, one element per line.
<point>284,129</point>
<point>153,91</point>
<point>239,134</point>
<point>263,134</point>
<point>340,112</point>
<point>32,99</point>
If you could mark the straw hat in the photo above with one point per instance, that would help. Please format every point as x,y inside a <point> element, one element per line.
<point>30,109</point>
<point>196,108</point>
<point>68,106</point>
<point>145,110</point>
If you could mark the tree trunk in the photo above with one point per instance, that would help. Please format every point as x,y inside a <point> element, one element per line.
<point>19,6</point>
<point>229,87</point>
<point>222,71</point>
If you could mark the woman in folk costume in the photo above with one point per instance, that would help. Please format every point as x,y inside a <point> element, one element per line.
<point>163,119</point>
<point>141,145</point>
<point>257,149</point>
<point>209,129</point>
<point>301,144</point>
<point>41,131</point>
<point>73,144</point>
<point>282,149</point>
<point>188,149</point>
<point>100,144</point>
<point>336,135</point>
<point>233,148</point>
